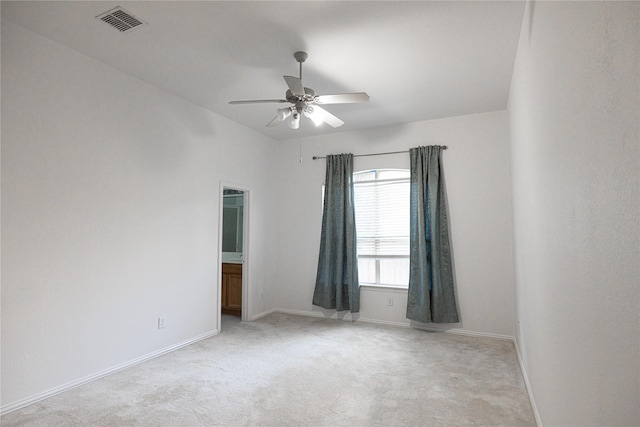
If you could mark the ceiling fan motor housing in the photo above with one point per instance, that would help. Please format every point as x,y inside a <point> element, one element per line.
<point>301,101</point>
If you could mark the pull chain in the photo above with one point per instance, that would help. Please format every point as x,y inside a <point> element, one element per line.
<point>300,145</point>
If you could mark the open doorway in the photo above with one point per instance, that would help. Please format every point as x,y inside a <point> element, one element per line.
<point>233,256</point>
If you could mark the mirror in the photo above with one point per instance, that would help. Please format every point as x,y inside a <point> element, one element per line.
<point>232,217</point>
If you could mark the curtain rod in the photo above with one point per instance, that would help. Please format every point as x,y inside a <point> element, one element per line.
<point>444,147</point>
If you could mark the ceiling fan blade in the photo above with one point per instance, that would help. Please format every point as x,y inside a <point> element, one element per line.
<point>328,118</point>
<point>342,98</point>
<point>259,101</point>
<point>295,85</point>
<point>275,122</point>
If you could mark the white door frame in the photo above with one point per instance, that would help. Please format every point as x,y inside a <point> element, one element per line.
<point>245,250</point>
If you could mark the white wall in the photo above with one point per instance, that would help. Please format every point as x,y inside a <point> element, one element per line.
<point>110,209</point>
<point>478,185</point>
<point>575,143</point>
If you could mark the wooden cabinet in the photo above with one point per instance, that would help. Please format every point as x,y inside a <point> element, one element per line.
<point>232,289</point>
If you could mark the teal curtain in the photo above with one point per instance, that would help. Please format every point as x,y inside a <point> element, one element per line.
<point>337,285</point>
<point>431,296</point>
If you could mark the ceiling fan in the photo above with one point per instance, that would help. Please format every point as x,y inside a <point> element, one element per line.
<point>306,102</point>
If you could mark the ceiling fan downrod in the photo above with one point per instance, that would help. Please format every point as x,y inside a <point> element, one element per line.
<point>300,57</point>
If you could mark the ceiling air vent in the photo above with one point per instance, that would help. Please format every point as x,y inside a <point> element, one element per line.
<point>121,20</point>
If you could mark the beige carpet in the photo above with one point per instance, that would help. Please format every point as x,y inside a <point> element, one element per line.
<point>286,370</point>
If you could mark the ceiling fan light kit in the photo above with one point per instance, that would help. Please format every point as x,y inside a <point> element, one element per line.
<point>306,102</point>
<point>283,113</point>
<point>314,115</point>
<point>294,123</point>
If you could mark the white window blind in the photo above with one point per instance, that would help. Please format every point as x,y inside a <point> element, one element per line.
<point>382,224</point>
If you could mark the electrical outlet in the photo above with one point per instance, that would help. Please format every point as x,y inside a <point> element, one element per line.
<point>261,295</point>
<point>390,301</point>
<point>160,322</point>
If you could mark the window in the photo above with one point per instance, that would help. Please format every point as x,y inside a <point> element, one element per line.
<point>382,225</point>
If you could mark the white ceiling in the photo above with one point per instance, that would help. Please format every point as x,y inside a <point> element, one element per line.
<point>416,60</point>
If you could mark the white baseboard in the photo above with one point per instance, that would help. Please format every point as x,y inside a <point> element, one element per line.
<point>381,322</point>
<point>351,318</point>
<point>73,384</point>
<point>347,316</point>
<point>458,331</point>
<point>263,314</point>
<point>336,316</point>
<point>527,384</point>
